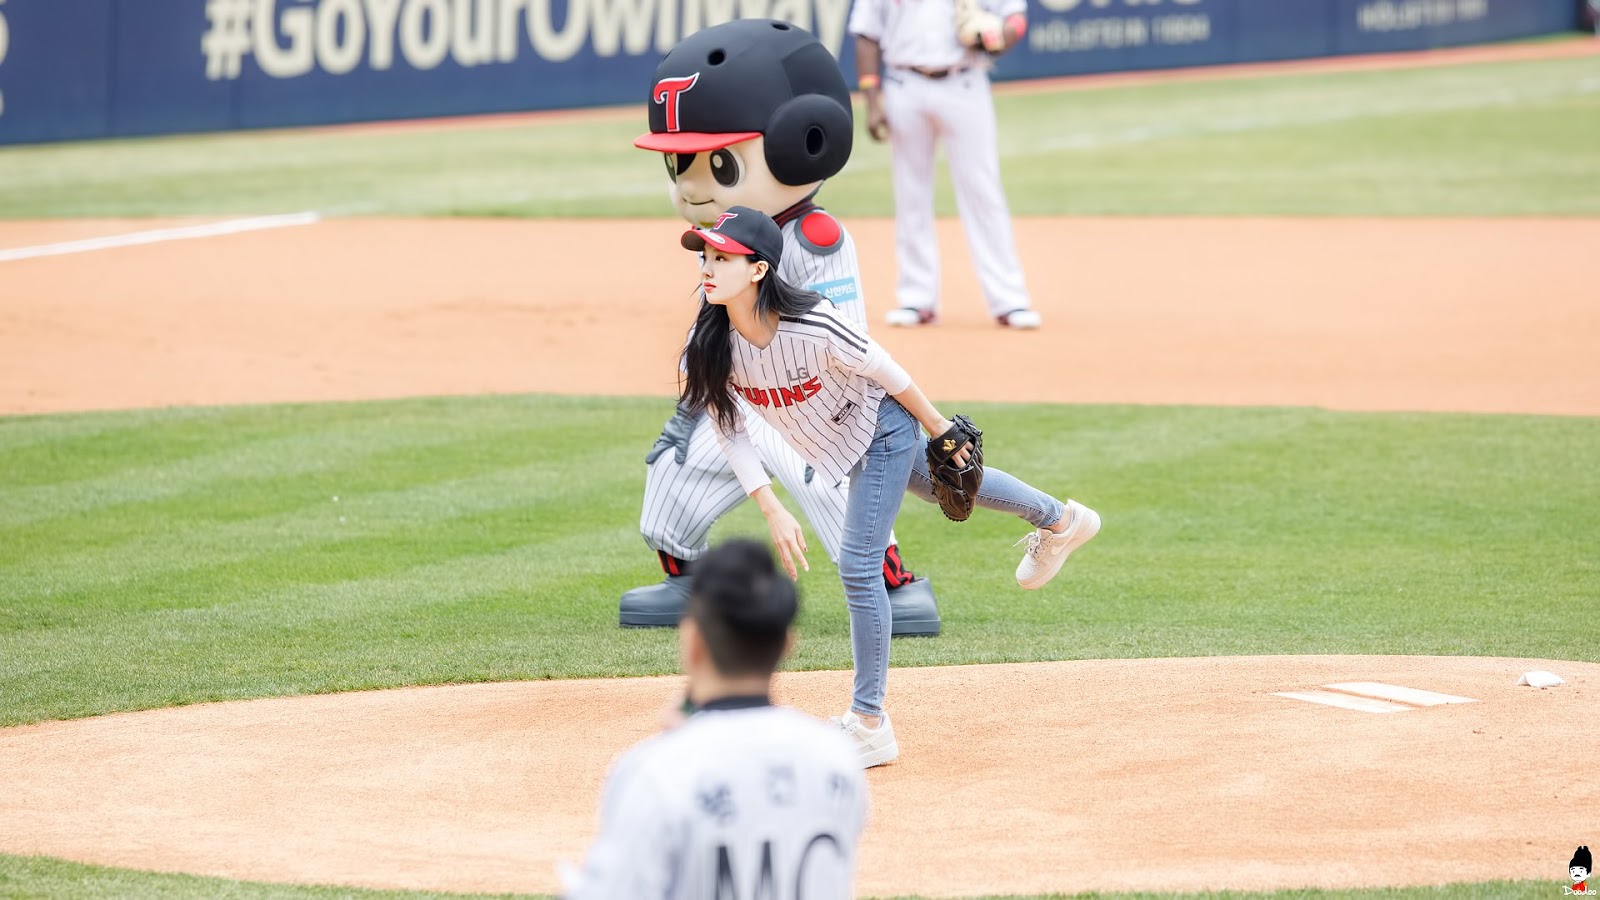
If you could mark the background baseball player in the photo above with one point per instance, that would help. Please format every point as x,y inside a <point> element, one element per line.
<point>754,113</point>
<point>924,71</point>
<point>743,799</point>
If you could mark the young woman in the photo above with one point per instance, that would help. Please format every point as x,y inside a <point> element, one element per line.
<point>845,406</point>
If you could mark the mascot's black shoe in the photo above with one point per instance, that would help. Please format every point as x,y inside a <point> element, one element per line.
<point>913,610</point>
<point>655,606</point>
<point>912,607</point>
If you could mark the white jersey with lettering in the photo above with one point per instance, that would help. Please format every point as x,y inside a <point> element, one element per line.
<point>759,801</point>
<point>683,500</point>
<point>818,383</point>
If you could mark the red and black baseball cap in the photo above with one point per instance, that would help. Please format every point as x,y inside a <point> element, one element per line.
<point>726,84</point>
<point>741,230</point>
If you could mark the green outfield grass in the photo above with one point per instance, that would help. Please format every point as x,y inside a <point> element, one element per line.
<point>54,878</point>
<point>157,558</point>
<point>29,877</point>
<point>167,557</point>
<point>1516,138</point>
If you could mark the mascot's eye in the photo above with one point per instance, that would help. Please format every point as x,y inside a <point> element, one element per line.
<point>725,168</point>
<point>671,159</point>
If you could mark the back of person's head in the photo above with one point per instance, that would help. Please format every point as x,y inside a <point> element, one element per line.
<point>743,607</point>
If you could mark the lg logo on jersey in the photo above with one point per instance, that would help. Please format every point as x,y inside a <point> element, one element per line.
<point>783,396</point>
<point>766,886</point>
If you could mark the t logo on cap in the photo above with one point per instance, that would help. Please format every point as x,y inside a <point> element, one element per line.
<point>723,218</point>
<point>669,91</point>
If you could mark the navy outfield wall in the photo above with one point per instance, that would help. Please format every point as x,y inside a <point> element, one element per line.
<point>73,69</point>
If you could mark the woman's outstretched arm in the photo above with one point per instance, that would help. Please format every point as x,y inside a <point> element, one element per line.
<point>922,409</point>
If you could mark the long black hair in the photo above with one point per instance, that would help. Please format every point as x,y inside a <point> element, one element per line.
<point>708,358</point>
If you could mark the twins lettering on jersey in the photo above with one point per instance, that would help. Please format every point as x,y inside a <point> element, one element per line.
<point>783,396</point>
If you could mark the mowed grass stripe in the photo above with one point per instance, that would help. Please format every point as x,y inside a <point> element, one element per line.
<point>176,478</point>
<point>461,618</point>
<point>322,485</point>
<point>195,530</point>
<point>500,554</point>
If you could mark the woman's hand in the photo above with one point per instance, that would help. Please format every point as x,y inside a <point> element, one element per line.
<point>786,534</point>
<point>943,425</point>
<point>788,538</point>
<point>931,420</point>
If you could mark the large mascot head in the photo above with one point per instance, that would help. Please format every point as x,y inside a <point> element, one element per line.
<point>753,112</point>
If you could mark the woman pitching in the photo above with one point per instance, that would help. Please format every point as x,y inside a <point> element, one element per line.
<point>852,412</point>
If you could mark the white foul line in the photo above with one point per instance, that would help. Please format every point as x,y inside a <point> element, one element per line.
<point>213,229</point>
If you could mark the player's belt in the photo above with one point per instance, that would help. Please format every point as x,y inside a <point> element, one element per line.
<point>936,74</point>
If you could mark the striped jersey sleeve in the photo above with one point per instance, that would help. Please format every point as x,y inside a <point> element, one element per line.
<point>857,354</point>
<point>742,455</point>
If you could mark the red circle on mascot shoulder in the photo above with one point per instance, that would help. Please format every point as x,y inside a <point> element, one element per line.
<point>820,229</point>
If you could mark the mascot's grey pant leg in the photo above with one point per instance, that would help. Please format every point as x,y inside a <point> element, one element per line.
<point>683,500</point>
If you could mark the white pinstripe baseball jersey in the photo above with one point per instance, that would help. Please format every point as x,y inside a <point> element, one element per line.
<point>818,383</point>
<point>755,802</point>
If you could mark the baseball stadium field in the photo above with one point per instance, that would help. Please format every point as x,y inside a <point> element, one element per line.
<point>321,456</point>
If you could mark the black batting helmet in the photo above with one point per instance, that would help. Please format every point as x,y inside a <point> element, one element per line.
<point>731,82</point>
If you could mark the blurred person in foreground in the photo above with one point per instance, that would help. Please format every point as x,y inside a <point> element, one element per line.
<point>738,796</point>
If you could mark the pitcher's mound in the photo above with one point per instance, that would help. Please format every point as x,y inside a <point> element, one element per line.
<point>1155,774</point>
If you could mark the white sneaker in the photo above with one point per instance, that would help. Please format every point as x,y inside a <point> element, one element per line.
<point>1048,550</point>
<point>875,745</point>
<point>910,317</point>
<point>1020,318</point>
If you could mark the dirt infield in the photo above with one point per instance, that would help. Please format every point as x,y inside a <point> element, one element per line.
<point>1170,774</point>
<point>1460,314</point>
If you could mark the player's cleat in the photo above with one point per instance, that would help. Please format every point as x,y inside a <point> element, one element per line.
<point>910,317</point>
<point>656,606</point>
<point>876,746</point>
<point>913,611</point>
<point>1019,318</point>
<point>1048,550</point>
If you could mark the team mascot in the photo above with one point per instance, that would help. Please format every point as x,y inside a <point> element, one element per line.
<point>754,113</point>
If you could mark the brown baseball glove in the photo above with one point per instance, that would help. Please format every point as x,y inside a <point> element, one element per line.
<point>956,487</point>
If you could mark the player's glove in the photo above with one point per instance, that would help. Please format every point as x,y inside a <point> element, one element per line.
<point>674,435</point>
<point>977,27</point>
<point>956,487</point>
